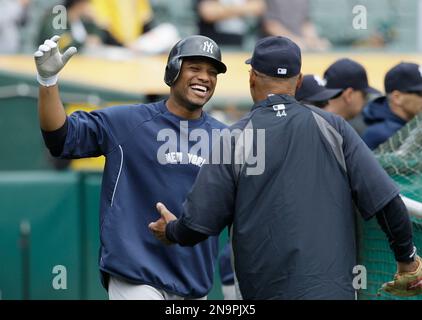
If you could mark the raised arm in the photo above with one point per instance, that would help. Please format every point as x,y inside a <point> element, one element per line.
<point>49,61</point>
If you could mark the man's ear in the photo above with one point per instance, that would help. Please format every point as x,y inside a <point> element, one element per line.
<point>252,79</point>
<point>299,81</point>
<point>347,95</point>
<point>396,98</point>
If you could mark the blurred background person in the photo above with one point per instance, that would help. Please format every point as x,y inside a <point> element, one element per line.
<point>313,91</point>
<point>224,20</point>
<point>132,23</point>
<point>349,76</point>
<point>292,19</point>
<point>82,31</point>
<point>13,17</point>
<point>126,20</point>
<point>403,101</point>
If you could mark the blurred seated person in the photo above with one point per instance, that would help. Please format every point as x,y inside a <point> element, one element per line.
<point>131,22</point>
<point>402,102</point>
<point>126,20</point>
<point>13,17</point>
<point>313,92</point>
<point>81,29</point>
<point>291,19</point>
<point>224,20</point>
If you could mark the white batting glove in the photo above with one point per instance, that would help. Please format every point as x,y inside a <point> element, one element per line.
<point>50,61</point>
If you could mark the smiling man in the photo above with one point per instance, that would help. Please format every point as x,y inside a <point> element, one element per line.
<point>133,264</point>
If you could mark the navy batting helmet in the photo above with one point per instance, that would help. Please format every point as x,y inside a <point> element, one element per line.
<point>192,46</point>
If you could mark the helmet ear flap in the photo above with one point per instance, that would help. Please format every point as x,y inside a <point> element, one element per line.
<point>172,71</point>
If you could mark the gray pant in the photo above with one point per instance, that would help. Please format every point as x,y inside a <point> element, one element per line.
<point>121,290</point>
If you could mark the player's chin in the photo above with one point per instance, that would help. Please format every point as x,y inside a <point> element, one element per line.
<point>198,102</point>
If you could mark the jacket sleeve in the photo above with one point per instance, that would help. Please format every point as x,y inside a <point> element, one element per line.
<point>89,134</point>
<point>371,186</point>
<point>209,206</point>
<point>394,220</point>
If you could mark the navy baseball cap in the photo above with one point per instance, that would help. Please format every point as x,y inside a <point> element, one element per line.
<point>346,73</point>
<point>277,57</point>
<point>405,77</point>
<point>313,90</point>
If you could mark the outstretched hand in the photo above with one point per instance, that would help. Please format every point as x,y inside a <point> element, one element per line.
<point>158,228</point>
<point>49,61</point>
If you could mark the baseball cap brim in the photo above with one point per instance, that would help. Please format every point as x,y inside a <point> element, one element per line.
<point>415,88</point>
<point>221,67</point>
<point>371,90</point>
<point>325,95</point>
<point>248,61</point>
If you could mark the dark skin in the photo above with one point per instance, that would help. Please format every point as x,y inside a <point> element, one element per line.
<point>261,85</point>
<point>193,88</point>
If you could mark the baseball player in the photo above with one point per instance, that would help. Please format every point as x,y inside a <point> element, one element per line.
<point>293,224</point>
<point>349,76</point>
<point>313,91</point>
<point>387,114</point>
<point>137,173</point>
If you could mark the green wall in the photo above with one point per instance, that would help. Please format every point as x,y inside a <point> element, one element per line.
<point>50,203</point>
<point>62,210</point>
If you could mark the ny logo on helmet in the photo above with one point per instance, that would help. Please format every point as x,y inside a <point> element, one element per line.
<point>208,46</point>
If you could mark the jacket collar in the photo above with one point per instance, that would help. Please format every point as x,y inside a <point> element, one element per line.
<point>274,99</point>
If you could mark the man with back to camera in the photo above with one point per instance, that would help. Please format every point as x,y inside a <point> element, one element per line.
<point>351,77</point>
<point>403,101</point>
<point>293,225</point>
<point>133,264</point>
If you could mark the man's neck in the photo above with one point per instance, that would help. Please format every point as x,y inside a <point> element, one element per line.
<point>264,95</point>
<point>399,112</point>
<point>181,111</point>
<point>337,110</point>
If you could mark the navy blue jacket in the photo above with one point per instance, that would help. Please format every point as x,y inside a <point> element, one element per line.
<point>146,162</point>
<point>293,223</point>
<point>226,270</point>
<point>382,123</point>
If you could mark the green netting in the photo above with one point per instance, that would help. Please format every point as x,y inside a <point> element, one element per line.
<point>378,259</point>
<point>401,157</point>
